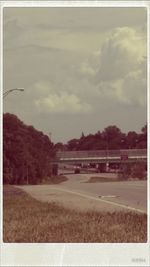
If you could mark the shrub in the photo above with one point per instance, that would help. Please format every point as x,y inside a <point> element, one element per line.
<point>138,170</point>
<point>125,171</point>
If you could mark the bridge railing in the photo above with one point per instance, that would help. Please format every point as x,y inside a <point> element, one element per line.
<point>101,153</point>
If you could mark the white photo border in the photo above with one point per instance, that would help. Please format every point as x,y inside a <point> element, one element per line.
<point>77,254</point>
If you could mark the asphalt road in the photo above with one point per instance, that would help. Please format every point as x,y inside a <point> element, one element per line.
<point>128,195</point>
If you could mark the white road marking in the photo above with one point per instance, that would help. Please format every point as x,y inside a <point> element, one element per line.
<point>105,196</point>
<point>102,200</point>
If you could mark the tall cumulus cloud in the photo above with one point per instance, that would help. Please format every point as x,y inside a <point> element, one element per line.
<point>121,74</point>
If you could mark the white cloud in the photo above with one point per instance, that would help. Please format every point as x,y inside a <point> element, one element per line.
<point>131,90</point>
<point>134,88</point>
<point>87,70</point>
<point>41,89</point>
<point>122,53</point>
<point>122,70</point>
<point>50,101</point>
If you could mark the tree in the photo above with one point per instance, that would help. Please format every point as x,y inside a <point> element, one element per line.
<point>112,137</point>
<point>82,136</point>
<point>132,140</point>
<point>142,138</point>
<point>144,130</point>
<point>138,170</point>
<point>27,153</point>
<point>59,146</point>
<point>73,144</point>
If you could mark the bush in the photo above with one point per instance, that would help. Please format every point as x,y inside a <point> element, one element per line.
<point>138,171</point>
<point>125,171</point>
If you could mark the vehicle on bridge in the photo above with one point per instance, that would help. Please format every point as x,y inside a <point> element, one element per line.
<point>102,160</point>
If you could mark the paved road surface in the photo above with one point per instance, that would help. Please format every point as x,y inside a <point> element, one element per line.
<point>130,195</point>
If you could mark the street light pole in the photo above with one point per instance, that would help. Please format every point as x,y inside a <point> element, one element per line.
<point>107,151</point>
<point>11,90</point>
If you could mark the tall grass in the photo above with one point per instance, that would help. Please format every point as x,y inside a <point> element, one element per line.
<point>28,220</point>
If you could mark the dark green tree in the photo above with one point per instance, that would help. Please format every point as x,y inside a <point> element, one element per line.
<point>27,153</point>
<point>112,137</point>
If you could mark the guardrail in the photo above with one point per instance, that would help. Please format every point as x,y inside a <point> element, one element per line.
<point>102,153</point>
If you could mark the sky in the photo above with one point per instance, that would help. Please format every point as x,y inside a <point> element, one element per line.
<point>82,69</point>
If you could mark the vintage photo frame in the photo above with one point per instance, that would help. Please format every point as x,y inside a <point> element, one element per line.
<point>74,254</point>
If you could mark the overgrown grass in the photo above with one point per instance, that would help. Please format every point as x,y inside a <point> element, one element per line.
<point>28,220</point>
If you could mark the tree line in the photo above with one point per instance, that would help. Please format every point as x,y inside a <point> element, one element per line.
<point>110,138</point>
<point>28,154</point>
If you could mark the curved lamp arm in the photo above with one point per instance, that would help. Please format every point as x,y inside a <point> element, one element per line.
<point>11,90</point>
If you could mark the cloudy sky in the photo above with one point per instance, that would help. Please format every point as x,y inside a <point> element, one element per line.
<point>82,68</point>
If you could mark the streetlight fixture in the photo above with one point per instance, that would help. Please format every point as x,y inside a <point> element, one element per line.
<point>11,90</point>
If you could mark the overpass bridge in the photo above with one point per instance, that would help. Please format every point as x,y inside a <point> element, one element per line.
<point>102,156</point>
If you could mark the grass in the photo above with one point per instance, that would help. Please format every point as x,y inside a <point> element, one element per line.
<point>96,179</point>
<point>55,180</point>
<point>28,220</point>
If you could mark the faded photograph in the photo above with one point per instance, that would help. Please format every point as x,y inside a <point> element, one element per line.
<point>75,125</point>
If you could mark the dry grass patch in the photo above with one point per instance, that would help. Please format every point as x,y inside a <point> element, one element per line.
<point>96,179</point>
<point>29,220</point>
<point>54,180</point>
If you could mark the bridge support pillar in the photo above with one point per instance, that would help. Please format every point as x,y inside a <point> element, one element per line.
<point>55,169</point>
<point>103,167</point>
<point>107,166</point>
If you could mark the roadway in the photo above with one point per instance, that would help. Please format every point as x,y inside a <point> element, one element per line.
<point>76,192</point>
<point>129,193</point>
